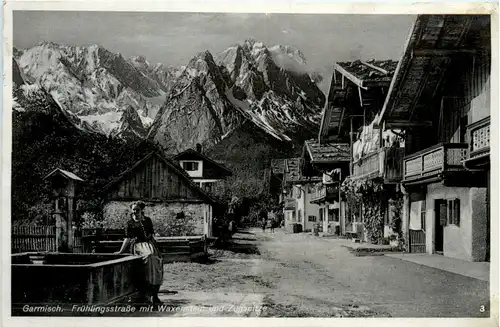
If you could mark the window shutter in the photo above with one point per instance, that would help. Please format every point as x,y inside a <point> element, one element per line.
<point>422,214</point>
<point>456,211</point>
<point>443,213</point>
<point>450,212</point>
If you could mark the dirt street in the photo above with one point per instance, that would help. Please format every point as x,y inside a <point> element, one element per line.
<point>299,275</point>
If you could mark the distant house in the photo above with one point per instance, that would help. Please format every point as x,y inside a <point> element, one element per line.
<point>204,171</point>
<point>299,191</point>
<point>176,205</point>
<point>330,161</point>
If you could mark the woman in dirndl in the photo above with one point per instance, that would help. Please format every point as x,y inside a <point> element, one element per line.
<point>139,240</point>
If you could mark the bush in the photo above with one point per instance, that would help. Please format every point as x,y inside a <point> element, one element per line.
<point>91,220</point>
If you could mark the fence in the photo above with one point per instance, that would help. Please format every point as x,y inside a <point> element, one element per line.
<point>33,238</point>
<point>40,239</point>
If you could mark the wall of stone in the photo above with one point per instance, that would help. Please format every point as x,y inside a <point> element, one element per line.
<point>169,219</point>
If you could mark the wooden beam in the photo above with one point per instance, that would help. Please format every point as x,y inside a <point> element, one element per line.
<point>406,123</point>
<point>383,71</point>
<point>360,97</point>
<point>441,78</point>
<point>382,82</point>
<point>349,76</point>
<point>325,122</point>
<point>441,52</point>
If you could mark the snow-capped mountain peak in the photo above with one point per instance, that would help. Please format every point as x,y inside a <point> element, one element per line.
<point>200,102</point>
<point>94,83</point>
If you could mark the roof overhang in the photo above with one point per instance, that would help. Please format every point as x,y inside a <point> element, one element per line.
<point>349,76</point>
<point>432,43</point>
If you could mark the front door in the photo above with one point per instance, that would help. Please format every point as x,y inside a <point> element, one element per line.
<point>439,223</point>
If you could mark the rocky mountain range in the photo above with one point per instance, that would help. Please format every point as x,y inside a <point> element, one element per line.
<point>177,107</point>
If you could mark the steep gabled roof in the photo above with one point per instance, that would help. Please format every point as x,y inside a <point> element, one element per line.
<point>365,75</point>
<point>176,168</point>
<point>327,152</point>
<point>65,173</point>
<point>202,157</point>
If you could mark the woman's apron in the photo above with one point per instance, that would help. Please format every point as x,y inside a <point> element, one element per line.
<point>153,261</point>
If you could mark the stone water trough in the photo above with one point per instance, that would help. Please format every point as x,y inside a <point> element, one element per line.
<point>68,279</point>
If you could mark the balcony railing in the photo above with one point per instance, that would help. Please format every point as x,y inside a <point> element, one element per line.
<point>386,163</point>
<point>435,160</point>
<point>325,192</point>
<point>479,138</point>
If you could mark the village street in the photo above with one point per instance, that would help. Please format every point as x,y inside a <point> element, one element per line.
<point>299,275</point>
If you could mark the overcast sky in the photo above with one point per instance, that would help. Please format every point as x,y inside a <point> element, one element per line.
<point>174,38</point>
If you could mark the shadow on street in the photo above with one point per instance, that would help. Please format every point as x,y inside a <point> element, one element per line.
<point>238,243</point>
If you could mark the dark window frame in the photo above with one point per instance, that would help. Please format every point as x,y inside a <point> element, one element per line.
<point>191,165</point>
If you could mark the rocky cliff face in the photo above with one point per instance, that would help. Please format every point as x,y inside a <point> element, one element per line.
<point>248,82</point>
<point>96,85</point>
<point>202,102</point>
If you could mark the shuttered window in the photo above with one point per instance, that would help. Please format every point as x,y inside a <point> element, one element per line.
<point>422,214</point>
<point>453,212</point>
<point>456,212</point>
<point>190,165</point>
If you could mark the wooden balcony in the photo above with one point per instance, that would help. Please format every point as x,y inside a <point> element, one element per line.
<point>433,163</point>
<point>386,163</point>
<point>479,141</point>
<point>325,193</point>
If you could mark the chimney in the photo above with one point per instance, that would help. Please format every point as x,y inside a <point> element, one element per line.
<point>198,148</point>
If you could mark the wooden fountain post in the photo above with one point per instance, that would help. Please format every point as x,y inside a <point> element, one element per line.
<point>63,187</point>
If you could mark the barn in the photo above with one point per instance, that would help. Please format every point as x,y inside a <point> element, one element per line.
<point>175,204</point>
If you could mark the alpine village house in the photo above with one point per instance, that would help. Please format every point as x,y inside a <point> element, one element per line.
<point>176,204</point>
<point>300,213</point>
<point>204,171</point>
<point>402,154</point>
<point>440,97</point>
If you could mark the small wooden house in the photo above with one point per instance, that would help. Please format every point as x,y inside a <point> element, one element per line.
<point>176,205</point>
<point>204,171</point>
